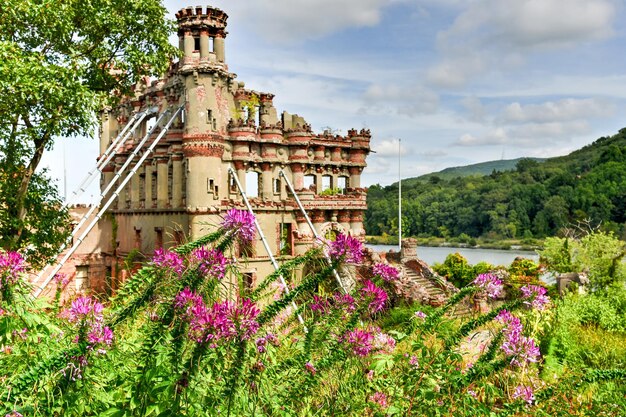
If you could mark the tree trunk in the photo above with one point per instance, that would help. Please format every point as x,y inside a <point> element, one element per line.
<point>20,198</point>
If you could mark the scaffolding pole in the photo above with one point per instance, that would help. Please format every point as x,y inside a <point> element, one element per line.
<point>232,172</point>
<point>115,194</point>
<point>308,220</point>
<point>108,154</point>
<point>103,194</point>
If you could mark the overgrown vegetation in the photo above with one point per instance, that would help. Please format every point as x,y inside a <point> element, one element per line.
<point>185,336</point>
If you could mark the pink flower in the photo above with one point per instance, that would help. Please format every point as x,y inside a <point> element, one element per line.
<point>240,223</point>
<point>320,304</point>
<point>377,296</point>
<point>490,284</point>
<point>346,248</point>
<point>525,393</point>
<point>11,265</point>
<point>168,260</point>
<point>522,349</point>
<point>86,312</point>
<point>383,342</point>
<point>224,320</point>
<point>84,308</point>
<point>61,280</point>
<point>420,315</point>
<point>538,295</point>
<point>310,368</point>
<point>386,272</point>
<point>379,398</point>
<point>413,362</point>
<point>359,341</point>
<point>211,262</point>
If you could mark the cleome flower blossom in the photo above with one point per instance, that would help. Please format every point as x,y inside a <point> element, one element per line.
<point>379,398</point>
<point>211,262</point>
<point>520,348</point>
<point>310,368</point>
<point>11,265</point>
<point>86,314</point>
<point>221,321</point>
<point>168,260</point>
<point>490,284</point>
<point>537,294</point>
<point>376,296</point>
<point>386,272</point>
<point>359,341</point>
<point>240,223</point>
<point>346,248</point>
<point>525,393</point>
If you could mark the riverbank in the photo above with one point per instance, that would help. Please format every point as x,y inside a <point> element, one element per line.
<point>464,242</point>
<point>437,254</point>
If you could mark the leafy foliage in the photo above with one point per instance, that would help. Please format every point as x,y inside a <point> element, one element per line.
<point>62,62</point>
<point>537,199</point>
<point>186,342</point>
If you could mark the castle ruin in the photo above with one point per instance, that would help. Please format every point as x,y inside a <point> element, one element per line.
<point>184,187</point>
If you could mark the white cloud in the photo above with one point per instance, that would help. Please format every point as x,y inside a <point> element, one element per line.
<point>476,111</point>
<point>287,21</point>
<point>491,34</point>
<point>494,137</point>
<point>550,111</point>
<point>389,147</point>
<point>527,135</point>
<point>407,100</point>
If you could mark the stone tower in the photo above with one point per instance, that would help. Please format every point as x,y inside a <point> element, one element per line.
<point>184,188</point>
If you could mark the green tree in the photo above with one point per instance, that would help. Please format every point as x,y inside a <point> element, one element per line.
<point>60,63</point>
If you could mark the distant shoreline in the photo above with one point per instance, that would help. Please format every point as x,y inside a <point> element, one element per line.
<point>472,243</point>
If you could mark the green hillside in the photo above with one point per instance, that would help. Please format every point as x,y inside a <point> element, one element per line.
<point>535,199</point>
<point>482,168</point>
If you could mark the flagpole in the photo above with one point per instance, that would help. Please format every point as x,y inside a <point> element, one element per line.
<point>399,198</point>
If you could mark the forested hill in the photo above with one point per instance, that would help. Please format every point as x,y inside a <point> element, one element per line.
<point>482,168</point>
<point>534,200</point>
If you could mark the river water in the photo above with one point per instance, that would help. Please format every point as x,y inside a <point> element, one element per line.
<point>432,255</point>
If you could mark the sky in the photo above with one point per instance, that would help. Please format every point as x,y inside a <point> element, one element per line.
<point>456,81</point>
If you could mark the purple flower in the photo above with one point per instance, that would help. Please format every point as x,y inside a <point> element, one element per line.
<point>320,304</point>
<point>84,309</point>
<point>61,280</point>
<point>378,398</point>
<point>376,295</point>
<point>538,295</point>
<point>186,298</point>
<point>344,301</point>
<point>346,248</point>
<point>100,335</point>
<point>420,315</point>
<point>359,341</point>
<point>414,362</point>
<point>310,368</point>
<point>168,260</point>
<point>11,265</point>
<point>86,312</point>
<point>240,223</point>
<point>386,272</point>
<point>244,316</point>
<point>525,393</point>
<point>382,342</point>
<point>223,321</point>
<point>14,413</point>
<point>490,284</point>
<point>522,349</point>
<point>211,262</point>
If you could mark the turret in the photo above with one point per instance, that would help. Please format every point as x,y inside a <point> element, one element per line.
<point>201,35</point>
